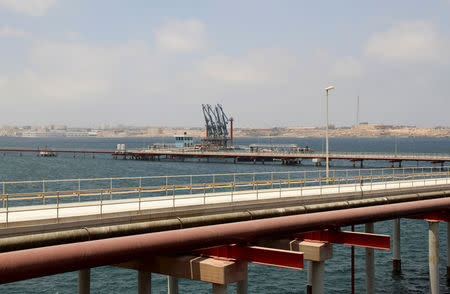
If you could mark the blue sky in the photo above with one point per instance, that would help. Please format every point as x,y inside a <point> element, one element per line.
<point>87,63</point>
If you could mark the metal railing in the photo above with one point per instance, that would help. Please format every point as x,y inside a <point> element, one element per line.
<point>431,156</point>
<point>141,192</point>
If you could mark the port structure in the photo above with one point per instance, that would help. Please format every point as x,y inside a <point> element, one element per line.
<point>211,240</point>
<point>216,127</point>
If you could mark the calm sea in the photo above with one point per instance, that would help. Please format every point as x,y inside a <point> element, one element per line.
<point>262,279</point>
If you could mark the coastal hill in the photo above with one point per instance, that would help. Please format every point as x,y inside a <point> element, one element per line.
<point>363,130</point>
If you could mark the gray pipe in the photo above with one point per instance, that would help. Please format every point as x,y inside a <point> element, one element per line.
<point>97,233</point>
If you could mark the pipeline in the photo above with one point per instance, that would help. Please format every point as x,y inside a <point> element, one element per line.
<point>98,233</point>
<point>38,262</point>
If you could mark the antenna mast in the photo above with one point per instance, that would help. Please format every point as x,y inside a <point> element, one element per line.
<point>357,112</point>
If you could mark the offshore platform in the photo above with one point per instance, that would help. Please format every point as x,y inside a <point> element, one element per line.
<point>216,122</point>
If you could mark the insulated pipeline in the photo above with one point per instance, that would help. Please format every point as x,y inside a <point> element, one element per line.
<point>97,233</point>
<point>32,263</point>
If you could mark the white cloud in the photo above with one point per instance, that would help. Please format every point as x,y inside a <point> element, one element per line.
<point>262,66</point>
<point>181,36</point>
<point>70,71</point>
<point>228,69</point>
<point>409,41</point>
<point>346,67</point>
<point>7,31</point>
<point>88,83</point>
<point>28,7</point>
<point>74,36</point>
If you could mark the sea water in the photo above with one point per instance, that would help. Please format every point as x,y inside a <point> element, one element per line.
<point>262,279</point>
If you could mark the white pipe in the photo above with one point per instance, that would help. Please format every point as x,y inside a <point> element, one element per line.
<point>370,264</point>
<point>433,256</point>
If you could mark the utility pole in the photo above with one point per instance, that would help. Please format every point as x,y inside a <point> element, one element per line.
<point>357,112</point>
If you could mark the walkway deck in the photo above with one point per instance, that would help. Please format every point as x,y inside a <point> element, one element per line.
<point>96,209</point>
<point>245,155</point>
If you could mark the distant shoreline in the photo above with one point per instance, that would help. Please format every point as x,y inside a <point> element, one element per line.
<point>275,137</point>
<point>360,131</point>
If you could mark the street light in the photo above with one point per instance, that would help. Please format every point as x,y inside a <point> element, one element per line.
<point>327,163</point>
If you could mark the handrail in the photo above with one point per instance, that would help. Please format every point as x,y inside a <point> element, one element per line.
<point>215,185</point>
<point>414,170</point>
<point>278,153</point>
<point>256,189</point>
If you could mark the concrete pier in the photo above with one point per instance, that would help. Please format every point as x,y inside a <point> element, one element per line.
<point>309,278</point>
<point>433,256</point>
<point>219,289</point>
<point>172,285</point>
<point>217,272</point>
<point>318,270</point>
<point>448,251</point>
<point>370,264</point>
<point>84,281</point>
<point>144,282</point>
<point>396,262</point>
<point>242,287</point>
<point>315,253</point>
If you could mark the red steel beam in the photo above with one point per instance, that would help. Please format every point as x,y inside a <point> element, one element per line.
<point>38,262</point>
<point>255,254</point>
<point>348,238</point>
<point>435,216</point>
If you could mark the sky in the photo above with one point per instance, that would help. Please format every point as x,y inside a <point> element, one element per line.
<point>153,63</point>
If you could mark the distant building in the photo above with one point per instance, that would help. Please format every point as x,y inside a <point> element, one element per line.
<point>81,134</point>
<point>59,133</point>
<point>184,141</point>
<point>52,133</point>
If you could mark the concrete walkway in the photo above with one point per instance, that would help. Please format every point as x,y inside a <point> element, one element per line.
<point>98,208</point>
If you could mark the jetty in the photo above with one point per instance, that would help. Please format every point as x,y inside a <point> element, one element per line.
<point>236,156</point>
<point>208,227</point>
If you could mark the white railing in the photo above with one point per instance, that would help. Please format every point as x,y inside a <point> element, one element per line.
<point>442,156</point>
<point>186,190</point>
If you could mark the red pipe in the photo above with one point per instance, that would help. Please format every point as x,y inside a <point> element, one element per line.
<point>38,262</point>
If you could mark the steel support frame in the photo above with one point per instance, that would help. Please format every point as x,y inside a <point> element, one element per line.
<point>368,240</point>
<point>436,216</point>
<point>49,260</point>
<point>255,254</point>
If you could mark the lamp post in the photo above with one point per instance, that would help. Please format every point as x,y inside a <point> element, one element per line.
<point>327,163</point>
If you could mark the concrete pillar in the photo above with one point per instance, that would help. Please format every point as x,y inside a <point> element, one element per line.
<point>84,281</point>
<point>172,285</point>
<point>315,253</point>
<point>370,264</point>
<point>318,268</point>
<point>144,282</point>
<point>219,289</point>
<point>309,277</point>
<point>448,251</point>
<point>242,287</point>
<point>433,255</point>
<point>397,261</point>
